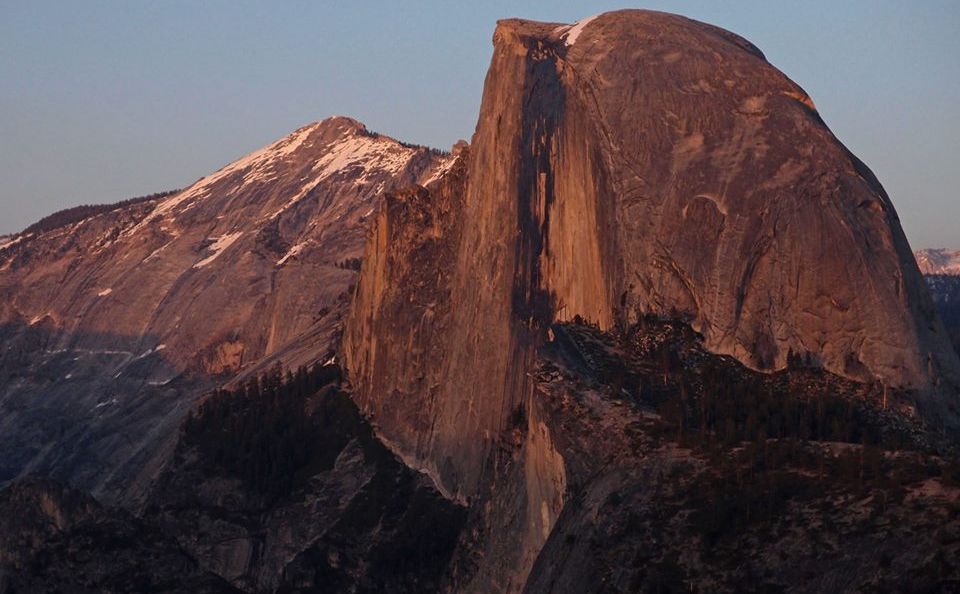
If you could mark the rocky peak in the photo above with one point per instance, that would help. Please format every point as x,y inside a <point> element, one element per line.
<point>337,146</point>
<point>132,312</point>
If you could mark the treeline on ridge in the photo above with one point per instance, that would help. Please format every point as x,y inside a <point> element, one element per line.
<point>410,145</point>
<point>67,216</point>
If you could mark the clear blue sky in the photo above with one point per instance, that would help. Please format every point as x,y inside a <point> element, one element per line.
<point>101,101</point>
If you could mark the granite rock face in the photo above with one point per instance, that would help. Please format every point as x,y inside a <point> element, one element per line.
<point>636,162</point>
<point>113,325</point>
<point>676,169</point>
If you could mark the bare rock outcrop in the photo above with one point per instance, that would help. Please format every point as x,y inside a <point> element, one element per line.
<point>636,162</point>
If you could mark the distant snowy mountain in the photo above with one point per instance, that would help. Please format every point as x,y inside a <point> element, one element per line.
<point>941,269</point>
<point>939,261</point>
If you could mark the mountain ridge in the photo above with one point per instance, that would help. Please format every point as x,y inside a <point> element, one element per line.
<point>134,312</point>
<point>939,261</point>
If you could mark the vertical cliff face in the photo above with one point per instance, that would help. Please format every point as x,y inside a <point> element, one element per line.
<point>402,316</point>
<point>637,162</point>
<point>679,171</point>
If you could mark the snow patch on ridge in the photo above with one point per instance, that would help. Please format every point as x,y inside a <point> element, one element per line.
<point>104,292</point>
<point>156,252</point>
<point>570,33</point>
<point>219,245</point>
<point>8,242</point>
<point>442,168</point>
<point>372,154</point>
<point>105,403</point>
<point>292,252</point>
<point>257,166</point>
<point>149,352</point>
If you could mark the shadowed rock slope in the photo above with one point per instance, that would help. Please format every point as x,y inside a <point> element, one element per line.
<point>56,539</point>
<point>687,472</point>
<point>277,486</point>
<point>640,463</point>
<point>282,486</point>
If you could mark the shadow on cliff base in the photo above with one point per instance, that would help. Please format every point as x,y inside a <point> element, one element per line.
<point>98,411</point>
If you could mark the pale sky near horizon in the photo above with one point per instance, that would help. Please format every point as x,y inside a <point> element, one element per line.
<point>106,100</point>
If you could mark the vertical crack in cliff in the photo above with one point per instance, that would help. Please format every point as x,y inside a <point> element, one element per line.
<point>543,103</point>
